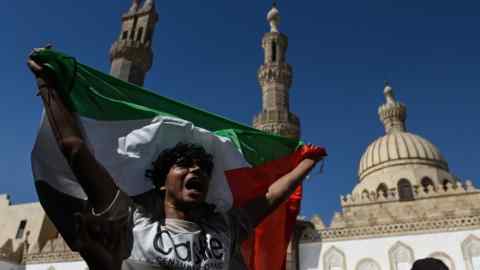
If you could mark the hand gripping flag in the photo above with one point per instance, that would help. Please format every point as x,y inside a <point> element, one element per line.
<point>126,127</point>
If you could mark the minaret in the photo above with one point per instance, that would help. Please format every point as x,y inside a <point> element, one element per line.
<point>131,55</point>
<point>393,113</point>
<point>275,78</point>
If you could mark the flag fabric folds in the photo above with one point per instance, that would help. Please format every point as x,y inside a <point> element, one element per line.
<point>126,127</point>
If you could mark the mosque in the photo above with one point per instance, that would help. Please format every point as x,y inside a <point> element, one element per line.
<point>406,205</point>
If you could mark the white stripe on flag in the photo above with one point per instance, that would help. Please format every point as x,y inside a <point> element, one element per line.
<point>128,148</point>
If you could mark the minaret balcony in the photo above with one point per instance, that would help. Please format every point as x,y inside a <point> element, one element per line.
<point>274,72</point>
<point>276,116</point>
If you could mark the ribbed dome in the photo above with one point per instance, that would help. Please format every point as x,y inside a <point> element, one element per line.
<point>399,148</point>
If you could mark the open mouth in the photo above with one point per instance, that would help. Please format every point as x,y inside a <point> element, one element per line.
<point>194,184</point>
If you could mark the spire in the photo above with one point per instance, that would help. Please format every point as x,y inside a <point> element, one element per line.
<point>149,4</point>
<point>131,54</point>
<point>134,7</point>
<point>393,113</point>
<point>273,17</point>
<point>389,95</point>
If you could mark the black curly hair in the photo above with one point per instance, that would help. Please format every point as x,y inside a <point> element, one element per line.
<point>183,154</point>
<point>429,264</point>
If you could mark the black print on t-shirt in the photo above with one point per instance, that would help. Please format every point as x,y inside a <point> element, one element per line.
<point>201,249</point>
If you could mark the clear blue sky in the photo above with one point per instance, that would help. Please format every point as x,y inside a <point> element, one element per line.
<point>207,54</point>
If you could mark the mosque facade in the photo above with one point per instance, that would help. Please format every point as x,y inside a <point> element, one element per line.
<point>405,206</point>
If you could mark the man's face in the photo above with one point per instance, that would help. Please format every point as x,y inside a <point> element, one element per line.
<point>187,183</point>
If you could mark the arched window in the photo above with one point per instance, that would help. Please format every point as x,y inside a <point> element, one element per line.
<point>405,191</point>
<point>365,194</point>
<point>426,182</point>
<point>401,257</point>
<point>21,229</point>
<point>382,190</point>
<point>368,264</point>
<point>471,252</point>
<point>334,259</point>
<point>132,34</point>
<point>125,35</point>
<point>139,34</point>
<point>445,184</point>
<point>274,51</point>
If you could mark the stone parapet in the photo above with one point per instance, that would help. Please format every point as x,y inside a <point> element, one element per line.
<point>279,122</point>
<point>396,229</point>
<point>51,257</point>
<point>374,197</point>
<point>276,116</point>
<point>429,203</point>
<point>54,250</point>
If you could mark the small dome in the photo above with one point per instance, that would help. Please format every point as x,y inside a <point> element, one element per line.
<point>399,148</point>
<point>273,14</point>
<point>388,89</point>
<point>273,17</point>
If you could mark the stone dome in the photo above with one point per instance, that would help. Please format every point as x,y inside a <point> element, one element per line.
<point>399,148</point>
<point>399,164</point>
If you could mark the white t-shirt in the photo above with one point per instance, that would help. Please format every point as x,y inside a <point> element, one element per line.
<point>211,242</point>
<point>179,244</point>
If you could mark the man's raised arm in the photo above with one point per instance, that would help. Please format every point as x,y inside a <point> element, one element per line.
<point>92,176</point>
<point>282,188</point>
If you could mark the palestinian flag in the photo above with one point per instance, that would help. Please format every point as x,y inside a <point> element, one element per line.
<point>126,127</point>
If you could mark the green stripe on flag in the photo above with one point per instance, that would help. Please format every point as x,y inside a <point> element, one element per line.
<point>259,147</point>
<point>95,95</point>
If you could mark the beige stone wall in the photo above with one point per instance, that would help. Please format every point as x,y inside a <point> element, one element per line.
<point>53,251</point>
<point>38,227</point>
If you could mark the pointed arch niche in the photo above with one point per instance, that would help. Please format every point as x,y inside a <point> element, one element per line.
<point>471,252</point>
<point>334,259</point>
<point>405,191</point>
<point>367,264</point>
<point>382,190</point>
<point>426,182</point>
<point>401,257</point>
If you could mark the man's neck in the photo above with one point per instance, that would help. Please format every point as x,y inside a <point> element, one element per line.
<point>174,211</point>
<point>185,212</point>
